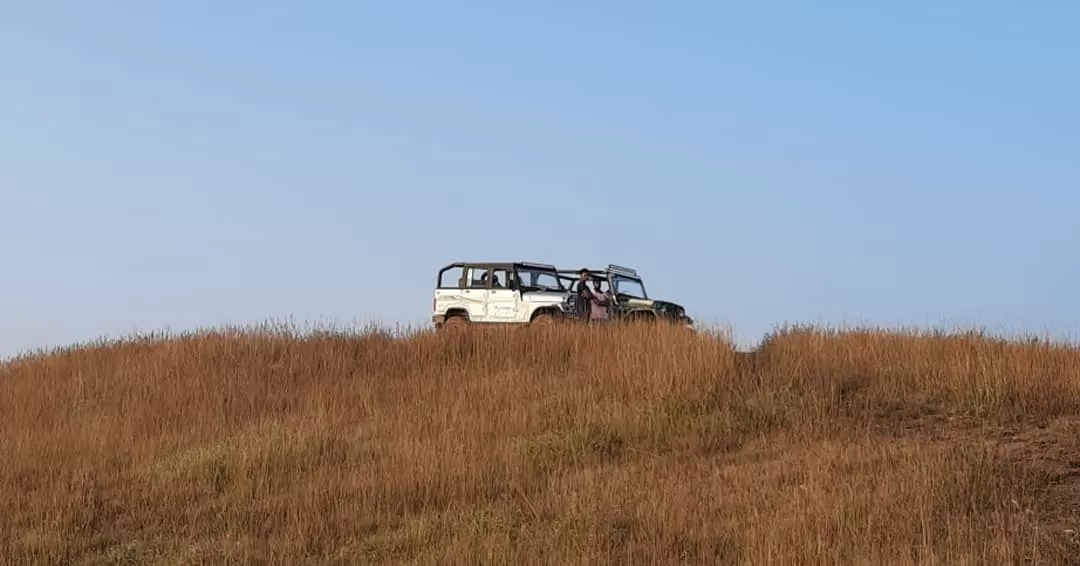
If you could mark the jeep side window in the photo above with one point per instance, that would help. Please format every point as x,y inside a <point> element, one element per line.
<point>501,279</point>
<point>533,278</point>
<point>477,277</point>
<point>452,278</point>
<point>525,278</point>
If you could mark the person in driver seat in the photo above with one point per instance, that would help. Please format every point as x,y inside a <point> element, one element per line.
<point>494,279</point>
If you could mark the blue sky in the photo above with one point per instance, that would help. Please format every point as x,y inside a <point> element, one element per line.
<point>192,164</point>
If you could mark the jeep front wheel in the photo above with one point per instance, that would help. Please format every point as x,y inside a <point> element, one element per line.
<point>640,317</point>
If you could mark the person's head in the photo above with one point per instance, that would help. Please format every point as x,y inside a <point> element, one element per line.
<point>583,275</point>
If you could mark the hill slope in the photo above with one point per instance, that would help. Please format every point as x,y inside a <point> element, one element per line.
<point>614,446</point>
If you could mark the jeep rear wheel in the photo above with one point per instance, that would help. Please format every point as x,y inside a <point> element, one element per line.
<point>455,323</point>
<point>543,319</point>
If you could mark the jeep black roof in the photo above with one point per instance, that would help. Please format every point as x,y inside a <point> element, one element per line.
<point>502,264</point>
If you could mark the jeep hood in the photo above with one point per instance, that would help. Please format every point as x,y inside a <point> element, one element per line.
<point>665,304</point>
<point>657,304</point>
<point>653,303</point>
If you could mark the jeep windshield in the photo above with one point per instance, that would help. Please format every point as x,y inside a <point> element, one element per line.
<point>630,287</point>
<point>534,279</point>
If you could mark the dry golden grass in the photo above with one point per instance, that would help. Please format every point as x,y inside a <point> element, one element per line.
<point>575,446</point>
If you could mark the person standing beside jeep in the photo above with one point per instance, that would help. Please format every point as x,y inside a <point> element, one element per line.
<point>599,303</point>
<point>585,295</point>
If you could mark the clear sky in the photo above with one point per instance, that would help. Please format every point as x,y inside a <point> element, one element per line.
<point>188,164</point>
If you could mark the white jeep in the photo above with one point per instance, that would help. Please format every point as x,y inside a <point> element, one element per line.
<point>502,293</point>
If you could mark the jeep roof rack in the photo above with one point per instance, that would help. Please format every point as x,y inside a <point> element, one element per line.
<point>503,264</point>
<point>621,270</point>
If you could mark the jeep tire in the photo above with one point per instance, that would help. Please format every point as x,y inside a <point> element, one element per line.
<point>455,322</point>
<point>543,319</point>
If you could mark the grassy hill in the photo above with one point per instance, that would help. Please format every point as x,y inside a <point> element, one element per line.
<point>613,446</point>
